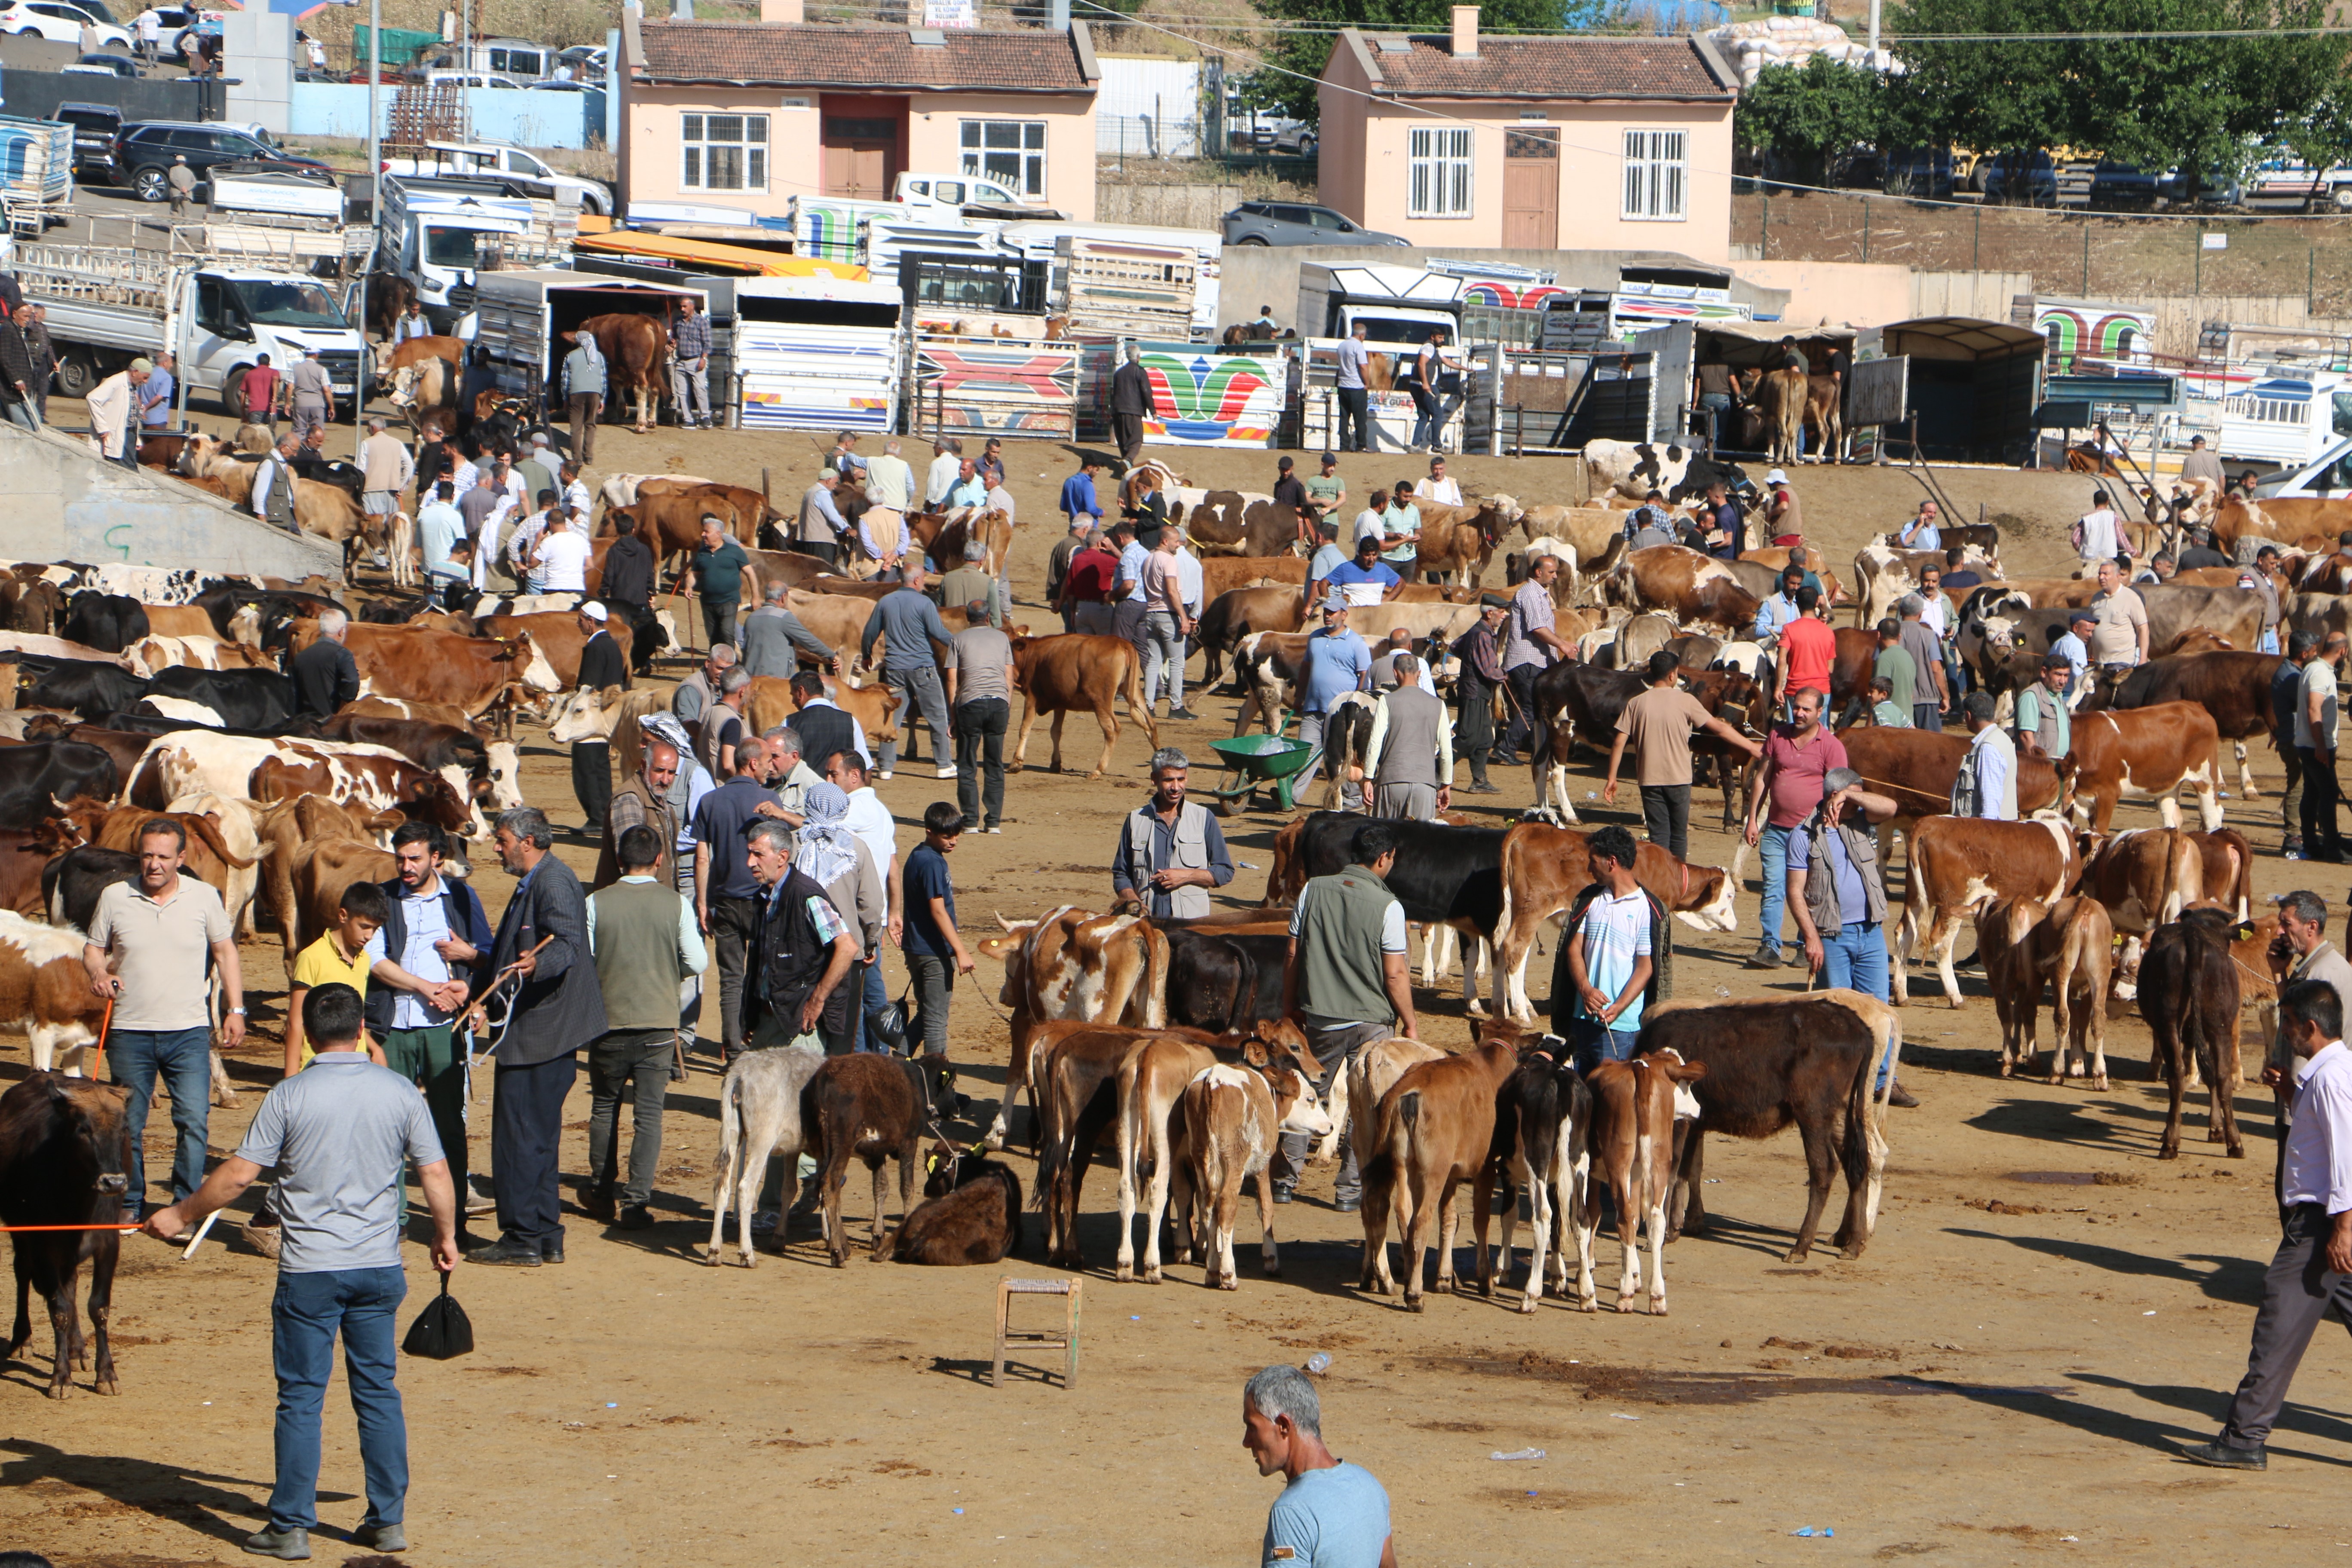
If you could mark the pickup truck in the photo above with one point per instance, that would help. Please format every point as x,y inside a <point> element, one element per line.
<point>497,159</point>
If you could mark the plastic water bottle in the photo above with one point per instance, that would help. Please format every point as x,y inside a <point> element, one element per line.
<point>1317,1365</point>
<point>1518,1454</point>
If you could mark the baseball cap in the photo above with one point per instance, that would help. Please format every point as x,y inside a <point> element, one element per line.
<point>1334,602</point>
<point>1330,459</point>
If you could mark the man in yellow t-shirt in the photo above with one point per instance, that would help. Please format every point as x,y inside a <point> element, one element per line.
<point>338,958</point>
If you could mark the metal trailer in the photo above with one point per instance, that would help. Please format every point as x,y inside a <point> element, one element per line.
<point>978,358</point>
<point>1050,241</point>
<point>883,241</point>
<point>1202,394</point>
<point>1397,306</point>
<point>441,234</point>
<point>36,161</point>
<point>522,316</point>
<point>818,353</point>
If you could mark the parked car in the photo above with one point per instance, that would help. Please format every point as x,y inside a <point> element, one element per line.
<point>96,125</point>
<point>495,159</point>
<point>1917,172</point>
<point>1297,223</point>
<point>2115,184</point>
<point>144,152</point>
<point>1296,141</point>
<point>117,65</point>
<point>469,78</point>
<point>2025,177</point>
<point>2215,188</point>
<point>59,23</point>
<point>586,61</point>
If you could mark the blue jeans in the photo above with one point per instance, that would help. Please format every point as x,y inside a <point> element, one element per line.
<point>1713,407</point>
<point>1854,959</point>
<point>876,996</point>
<point>183,1057</point>
<point>1594,1044</point>
<point>1774,842</point>
<point>304,1316</point>
<point>2270,641</point>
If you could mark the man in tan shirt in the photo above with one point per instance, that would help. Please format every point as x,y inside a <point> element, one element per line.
<point>2121,634</point>
<point>1658,724</point>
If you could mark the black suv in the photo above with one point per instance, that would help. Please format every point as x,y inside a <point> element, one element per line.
<point>144,152</point>
<point>96,126</point>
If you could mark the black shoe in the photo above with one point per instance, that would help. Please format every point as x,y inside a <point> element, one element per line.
<point>1507,760</point>
<point>1182,715</point>
<point>635,1217</point>
<point>1480,787</point>
<point>1766,956</point>
<point>294,1545</point>
<point>2222,1456</point>
<point>1903,1097</point>
<point>550,1252</point>
<point>505,1253</point>
<point>1282,1194</point>
<point>598,1205</point>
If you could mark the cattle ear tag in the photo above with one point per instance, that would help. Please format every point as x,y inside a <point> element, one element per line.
<point>1282,1554</point>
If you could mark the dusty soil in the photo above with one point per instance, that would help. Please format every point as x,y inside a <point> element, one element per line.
<point>1931,1397</point>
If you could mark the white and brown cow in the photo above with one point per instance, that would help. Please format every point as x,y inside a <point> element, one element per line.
<point>1073,963</point>
<point>45,991</point>
<point>1543,869</point>
<point>2144,877</point>
<point>1688,584</point>
<point>1232,1118</point>
<point>1638,1107</point>
<point>1960,864</point>
<point>2146,751</point>
<point>2068,945</point>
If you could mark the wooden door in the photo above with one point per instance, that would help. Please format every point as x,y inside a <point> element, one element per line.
<point>858,169</point>
<point>1531,189</point>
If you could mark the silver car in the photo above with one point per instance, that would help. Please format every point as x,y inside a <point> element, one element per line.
<point>1297,223</point>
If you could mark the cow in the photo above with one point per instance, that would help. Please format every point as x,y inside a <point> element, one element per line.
<point>243,699</point>
<point>85,687</point>
<point>159,651</point>
<point>758,1119</point>
<point>1688,585</point>
<point>1221,573</point>
<point>1071,963</point>
<point>24,852</point>
<point>322,510</point>
<point>45,993</point>
<point>1238,523</point>
<point>492,768</point>
<point>2146,751</point>
<point>1434,1130</point>
<point>1543,1122</point>
<point>2143,878</point>
<point>1633,469</point>
<point>1225,977</point>
<point>424,375</point>
<point>992,529</point>
<point>65,1160</point>
<point>1355,1104</point>
<point>621,490</point>
<point>872,1108</point>
<point>38,775</point>
<point>1574,698</point>
<point>1237,614</point>
<point>2313,523</point>
<point>2069,944</point>
<point>2189,994</point>
<point>1233,1117</point>
<point>1456,541</point>
<point>371,776</point>
<point>636,351</point>
<point>426,664</point>
<point>1543,867</point>
<point>970,1214</point>
<point>1073,1072</point>
<point>109,622</point>
<point>1917,768</point>
<point>289,826</point>
<point>1448,879</point>
<point>1781,397</point>
<point>2234,688</point>
<point>1060,675</point>
<point>1998,618</point>
<point>1587,541</point>
<point>557,635</point>
<point>1960,863</point>
<point>1641,1112</point>
<point>208,856</point>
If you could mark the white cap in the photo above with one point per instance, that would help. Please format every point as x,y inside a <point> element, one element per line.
<point>1777,476</point>
<point>592,610</point>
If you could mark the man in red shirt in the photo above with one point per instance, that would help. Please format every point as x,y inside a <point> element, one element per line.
<point>1086,587</point>
<point>1808,651</point>
<point>1797,757</point>
<point>261,393</point>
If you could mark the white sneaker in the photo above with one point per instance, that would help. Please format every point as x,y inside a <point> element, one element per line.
<point>996,830</point>
<point>948,771</point>
<point>884,774</point>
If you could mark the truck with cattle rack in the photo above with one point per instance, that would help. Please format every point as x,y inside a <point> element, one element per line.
<point>521,317</point>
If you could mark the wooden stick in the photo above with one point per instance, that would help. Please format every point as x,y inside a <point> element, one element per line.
<point>198,1239</point>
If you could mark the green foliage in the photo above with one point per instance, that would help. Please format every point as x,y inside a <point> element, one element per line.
<point>1811,113</point>
<point>1305,53</point>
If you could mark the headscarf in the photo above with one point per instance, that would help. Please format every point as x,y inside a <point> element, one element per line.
<point>665,728</point>
<point>828,851</point>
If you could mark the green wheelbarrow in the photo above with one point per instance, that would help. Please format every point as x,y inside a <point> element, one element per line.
<point>1261,760</point>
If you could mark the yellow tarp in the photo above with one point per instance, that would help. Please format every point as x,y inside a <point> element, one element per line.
<point>710,255</point>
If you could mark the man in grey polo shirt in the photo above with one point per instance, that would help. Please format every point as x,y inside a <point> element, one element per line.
<point>1411,753</point>
<point>338,1132</point>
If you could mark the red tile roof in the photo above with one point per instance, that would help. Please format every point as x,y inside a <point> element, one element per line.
<point>1550,68</point>
<point>855,58</point>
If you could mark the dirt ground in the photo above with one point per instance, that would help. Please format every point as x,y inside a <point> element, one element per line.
<point>1930,1399</point>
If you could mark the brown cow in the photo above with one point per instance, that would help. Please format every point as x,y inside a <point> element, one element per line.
<point>288,825</point>
<point>1638,1107</point>
<point>1222,572</point>
<point>1917,770</point>
<point>636,351</point>
<point>874,707</point>
<point>1781,397</point>
<point>1457,541</point>
<point>1434,1130</point>
<point>65,1161</point>
<point>1543,869</point>
<point>1233,1117</point>
<point>207,856</point>
<point>1072,963</point>
<point>443,667</point>
<point>2310,522</point>
<point>1060,675</point>
<point>2069,944</point>
<point>324,510</point>
<point>424,372</point>
<point>557,635</point>
<point>320,872</point>
<point>380,783</point>
<point>1685,583</point>
<point>1960,863</point>
<point>2144,877</point>
<point>2232,686</point>
<point>2189,994</point>
<point>995,530</point>
<point>2144,752</point>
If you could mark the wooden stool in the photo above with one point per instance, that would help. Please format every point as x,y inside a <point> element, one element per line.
<point>1048,1340</point>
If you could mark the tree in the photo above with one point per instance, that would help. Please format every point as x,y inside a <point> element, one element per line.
<point>1303,54</point>
<point>1810,115</point>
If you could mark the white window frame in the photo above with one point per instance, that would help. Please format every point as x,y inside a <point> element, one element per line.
<point>696,145</point>
<point>1010,151</point>
<point>1443,183</point>
<point>1657,175</point>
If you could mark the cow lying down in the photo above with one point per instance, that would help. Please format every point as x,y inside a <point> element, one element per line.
<point>970,1213</point>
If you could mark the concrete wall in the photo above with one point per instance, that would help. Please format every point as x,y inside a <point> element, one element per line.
<point>1870,294</point>
<point>524,118</point>
<point>64,502</point>
<point>1256,274</point>
<point>258,48</point>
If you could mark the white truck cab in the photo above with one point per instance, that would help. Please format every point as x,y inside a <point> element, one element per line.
<point>497,159</point>
<point>2326,477</point>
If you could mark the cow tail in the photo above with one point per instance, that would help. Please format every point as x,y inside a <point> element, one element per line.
<point>1503,919</point>
<point>1155,976</point>
<point>1388,1157</point>
<point>2184,876</point>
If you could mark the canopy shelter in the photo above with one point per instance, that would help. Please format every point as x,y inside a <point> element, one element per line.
<point>1972,388</point>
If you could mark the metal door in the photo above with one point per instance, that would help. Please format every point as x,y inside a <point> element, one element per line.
<point>1875,391</point>
<point>1671,347</point>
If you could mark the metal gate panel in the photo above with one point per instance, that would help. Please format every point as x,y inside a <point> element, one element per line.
<point>1876,391</point>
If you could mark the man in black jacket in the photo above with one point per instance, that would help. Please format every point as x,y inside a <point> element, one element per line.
<point>601,664</point>
<point>1130,400</point>
<point>325,676</point>
<point>627,590</point>
<point>557,1008</point>
<point>801,954</point>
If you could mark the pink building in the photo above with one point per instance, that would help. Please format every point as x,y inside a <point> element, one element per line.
<point>752,114</point>
<point>1531,143</point>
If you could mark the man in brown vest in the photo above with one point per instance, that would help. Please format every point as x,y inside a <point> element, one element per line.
<point>642,800</point>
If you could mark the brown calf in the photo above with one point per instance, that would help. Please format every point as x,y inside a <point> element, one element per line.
<point>1959,863</point>
<point>2146,751</point>
<point>2071,945</point>
<point>970,1214</point>
<point>1436,1128</point>
<point>1072,963</point>
<point>1066,674</point>
<point>65,1155</point>
<point>1639,1112</point>
<point>2189,992</point>
<point>1232,1118</point>
<point>872,1107</point>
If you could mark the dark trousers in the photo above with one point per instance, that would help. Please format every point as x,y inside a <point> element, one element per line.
<point>979,744</point>
<point>1666,811</point>
<point>824,550</point>
<point>934,980</point>
<point>1126,430</point>
<point>1356,411</point>
<point>1522,683</point>
<point>2321,841</point>
<point>432,1059</point>
<point>1474,735</point>
<point>305,1315</point>
<point>734,923</point>
<point>526,1127</point>
<point>2297,1290</point>
<point>639,618</point>
<point>625,1055</point>
<point>1335,1048</point>
<point>1927,716</point>
<point>717,621</point>
<point>2291,803</point>
<point>591,782</point>
<point>587,409</point>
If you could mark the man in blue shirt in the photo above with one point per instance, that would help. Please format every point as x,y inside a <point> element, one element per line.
<point>968,490</point>
<point>155,394</point>
<point>1367,579</point>
<point>907,623</point>
<point>1079,498</point>
<point>1724,518</point>
<point>2074,647</point>
<point>440,527</point>
<point>1338,662</point>
<point>1329,558</point>
<point>1331,1514</point>
<point>1779,609</point>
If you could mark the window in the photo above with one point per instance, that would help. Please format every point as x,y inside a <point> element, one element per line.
<point>724,151</point>
<point>1441,171</point>
<point>1655,168</point>
<point>1010,151</point>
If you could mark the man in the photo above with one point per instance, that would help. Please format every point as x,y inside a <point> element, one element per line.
<point>787,774</point>
<point>2042,727</point>
<point>1326,493</point>
<point>2315,742</point>
<point>1331,1514</point>
<point>1401,532</point>
<point>980,696</point>
<point>1607,971</point>
<point>800,994</point>
<point>560,556</point>
<point>969,583</point>
<point>1338,662</point>
<point>1130,404</point>
<point>968,490</point>
<point>1711,395</point>
<point>1057,566</point>
<point>440,533</point>
<point>556,1009</point>
<point>2287,700</point>
<point>325,676</point>
<point>2160,568</point>
<point>1921,533</point>
<point>1166,625</point>
<point>2308,1274</point>
<point>1649,525</point>
<point>627,588</point>
<point>725,892</point>
<point>947,462</point>
<point>865,816</point>
<point>643,938</point>
<point>1080,504</point>
<point>1779,608</point>
<point>1366,580</point>
<point>1410,752</point>
<point>1784,519</point>
<point>1429,372</point>
<point>643,799</point>
<point>775,638</point>
<point>690,347</point>
<point>1384,676</point>
<point>2302,943</point>
<point>890,489</point>
<point>1479,653</point>
<point>822,723</point>
<point>1840,900</point>
<point>2097,535</point>
<point>2202,464</point>
<point>1354,354</point>
<point>154,395</point>
<point>1896,666</point>
<point>1328,558</point>
<point>113,405</point>
<point>1807,652</point>
<point>337,1132</point>
<point>1985,786</point>
<point>1958,579</point>
<point>1368,520</point>
<point>601,666</point>
<point>584,393</point>
<point>1290,499</point>
<point>271,499</point>
<point>165,935</point>
<point>480,498</point>
<point>150,28</point>
<point>313,393</point>
<point>421,968</point>
<point>718,571</point>
<point>2120,636</point>
<point>822,530</point>
<point>844,458</point>
<point>1531,647</point>
<point>1087,587</point>
<point>698,692</point>
<point>1128,607</point>
<point>907,623</point>
<point>41,353</point>
<point>1797,755</point>
<point>1171,851</point>
<point>387,466</point>
<point>2265,582</point>
<point>1726,531</point>
<point>722,731</point>
<point>1345,978</point>
<point>1941,616</point>
<point>181,181</point>
<point>1931,696</point>
<point>413,323</point>
<point>1438,486</point>
<point>2074,647</point>
<point>1658,725</point>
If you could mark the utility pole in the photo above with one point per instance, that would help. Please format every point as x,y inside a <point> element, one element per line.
<point>1873,33</point>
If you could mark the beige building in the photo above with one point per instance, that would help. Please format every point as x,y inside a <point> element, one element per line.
<point>752,114</point>
<point>1531,143</point>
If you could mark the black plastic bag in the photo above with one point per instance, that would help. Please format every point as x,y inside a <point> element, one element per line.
<point>893,1023</point>
<point>442,1330</point>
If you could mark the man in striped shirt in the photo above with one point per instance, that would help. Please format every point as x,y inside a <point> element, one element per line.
<point>690,363</point>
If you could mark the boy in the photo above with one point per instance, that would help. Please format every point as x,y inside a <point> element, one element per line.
<point>338,958</point>
<point>1884,709</point>
<point>932,943</point>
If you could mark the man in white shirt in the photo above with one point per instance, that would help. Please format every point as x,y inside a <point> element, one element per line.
<point>1368,522</point>
<point>2098,536</point>
<point>563,557</point>
<point>889,482</point>
<point>2311,1272</point>
<point>1441,485</point>
<point>871,821</point>
<point>2120,633</point>
<point>947,460</point>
